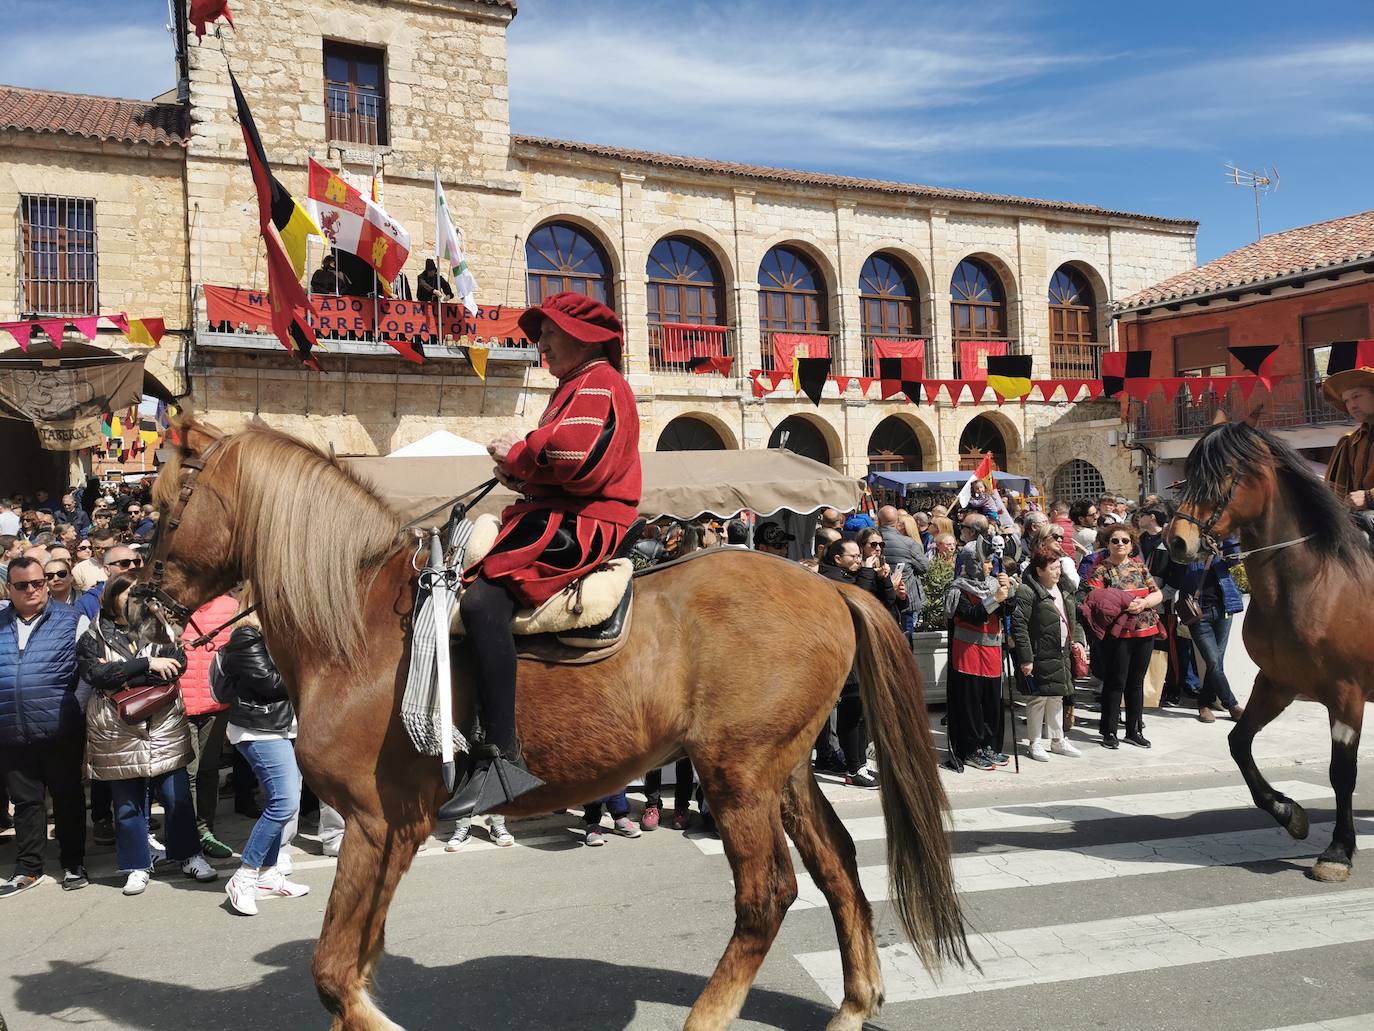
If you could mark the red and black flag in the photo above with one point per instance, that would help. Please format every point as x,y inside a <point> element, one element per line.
<point>1119,366</point>
<point>901,376</point>
<point>703,364</point>
<point>288,298</point>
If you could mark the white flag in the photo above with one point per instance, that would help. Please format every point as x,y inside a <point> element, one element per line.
<point>448,246</point>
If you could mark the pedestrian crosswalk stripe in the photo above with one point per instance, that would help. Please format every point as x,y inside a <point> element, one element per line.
<point>1045,815</point>
<point>1361,1022</point>
<point>1124,945</point>
<point>996,871</point>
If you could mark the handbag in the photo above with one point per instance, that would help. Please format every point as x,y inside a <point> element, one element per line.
<point>1078,658</point>
<point>1187,609</point>
<point>136,704</point>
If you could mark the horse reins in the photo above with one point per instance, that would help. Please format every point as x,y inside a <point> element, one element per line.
<point>1205,527</point>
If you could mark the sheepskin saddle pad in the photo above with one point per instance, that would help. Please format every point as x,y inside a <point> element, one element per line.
<point>590,613</point>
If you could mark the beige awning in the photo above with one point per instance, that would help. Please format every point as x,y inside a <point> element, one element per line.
<point>682,484</point>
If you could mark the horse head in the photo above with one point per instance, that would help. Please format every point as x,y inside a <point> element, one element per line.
<point>192,559</point>
<point>1230,482</point>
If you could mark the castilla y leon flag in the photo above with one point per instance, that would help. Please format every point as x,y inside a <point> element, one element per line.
<point>289,302</point>
<point>353,223</point>
<point>1009,374</point>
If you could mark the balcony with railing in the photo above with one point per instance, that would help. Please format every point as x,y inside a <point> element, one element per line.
<point>870,359</point>
<point>685,348</point>
<point>775,341</point>
<point>957,370</point>
<point>1080,360</point>
<point>355,115</point>
<point>1294,402</point>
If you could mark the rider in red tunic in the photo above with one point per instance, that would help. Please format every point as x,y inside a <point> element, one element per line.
<point>579,477</point>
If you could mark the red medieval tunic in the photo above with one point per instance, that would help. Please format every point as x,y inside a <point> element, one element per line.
<point>580,476</point>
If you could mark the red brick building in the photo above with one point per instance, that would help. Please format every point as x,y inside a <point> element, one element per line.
<point>1301,289</point>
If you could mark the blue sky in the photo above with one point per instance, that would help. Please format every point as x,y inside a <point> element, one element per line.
<point>1131,106</point>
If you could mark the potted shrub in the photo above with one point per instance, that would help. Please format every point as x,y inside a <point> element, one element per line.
<point>928,641</point>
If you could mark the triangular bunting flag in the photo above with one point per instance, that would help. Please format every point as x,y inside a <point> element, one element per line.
<point>147,332</point>
<point>1253,357</point>
<point>843,382</point>
<point>912,389</point>
<point>810,376</point>
<point>120,320</point>
<point>478,357</point>
<point>21,331</point>
<point>865,382</point>
<point>86,326</point>
<point>55,328</point>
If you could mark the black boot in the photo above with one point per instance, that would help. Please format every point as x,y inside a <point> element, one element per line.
<point>493,781</point>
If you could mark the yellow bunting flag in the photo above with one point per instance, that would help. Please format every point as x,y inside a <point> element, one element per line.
<point>478,357</point>
<point>147,332</point>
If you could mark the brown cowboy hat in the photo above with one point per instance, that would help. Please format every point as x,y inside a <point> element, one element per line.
<point>1350,365</point>
<point>583,318</point>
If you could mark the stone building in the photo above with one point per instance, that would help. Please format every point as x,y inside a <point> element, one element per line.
<point>1301,289</point>
<point>160,197</point>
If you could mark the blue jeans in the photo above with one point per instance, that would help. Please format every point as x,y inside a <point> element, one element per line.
<point>1210,634</point>
<point>618,804</point>
<point>130,798</point>
<point>274,763</point>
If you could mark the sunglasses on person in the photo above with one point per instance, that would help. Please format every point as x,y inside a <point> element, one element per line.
<point>127,563</point>
<point>28,585</point>
<point>83,547</point>
<point>1119,540</point>
<point>57,574</point>
<point>874,544</point>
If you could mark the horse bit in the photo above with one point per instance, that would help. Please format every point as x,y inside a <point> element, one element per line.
<point>1210,539</point>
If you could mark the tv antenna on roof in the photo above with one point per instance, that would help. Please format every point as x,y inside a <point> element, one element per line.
<point>1266,180</point>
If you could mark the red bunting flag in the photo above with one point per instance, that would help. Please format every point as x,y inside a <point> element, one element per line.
<point>54,328</point>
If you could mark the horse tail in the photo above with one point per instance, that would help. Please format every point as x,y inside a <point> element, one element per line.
<point>914,803</point>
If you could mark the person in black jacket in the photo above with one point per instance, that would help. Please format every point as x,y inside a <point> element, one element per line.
<point>844,563</point>
<point>430,284</point>
<point>262,726</point>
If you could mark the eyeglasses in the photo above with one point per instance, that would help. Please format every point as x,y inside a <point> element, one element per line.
<point>1119,540</point>
<point>874,544</point>
<point>83,547</point>
<point>60,574</point>
<point>126,563</point>
<point>27,585</point>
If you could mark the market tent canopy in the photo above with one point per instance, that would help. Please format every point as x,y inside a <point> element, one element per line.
<point>681,484</point>
<point>901,482</point>
<point>439,443</point>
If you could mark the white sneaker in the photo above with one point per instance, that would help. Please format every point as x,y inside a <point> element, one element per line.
<point>272,883</point>
<point>155,847</point>
<point>137,882</point>
<point>1037,751</point>
<point>461,836</point>
<point>242,890</point>
<point>284,865</point>
<point>500,837</point>
<point>197,868</point>
<point>1063,746</point>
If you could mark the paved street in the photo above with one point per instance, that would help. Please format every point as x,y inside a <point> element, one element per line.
<point>1104,892</point>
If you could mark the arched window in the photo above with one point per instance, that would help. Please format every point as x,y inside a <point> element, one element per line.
<point>559,257</point>
<point>686,433</point>
<point>1073,309</point>
<point>894,447</point>
<point>978,304</point>
<point>685,284</point>
<point>979,437</point>
<point>791,293</point>
<point>802,437</point>
<point>1077,479</point>
<point>889,306</point>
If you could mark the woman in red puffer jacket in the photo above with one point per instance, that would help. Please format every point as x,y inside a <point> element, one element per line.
<point>208,719</point>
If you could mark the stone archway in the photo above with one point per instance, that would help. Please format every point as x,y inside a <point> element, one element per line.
<point>809,438</point>
<point>895,445</point>
<point>981,435</point>
<point>694,433</point>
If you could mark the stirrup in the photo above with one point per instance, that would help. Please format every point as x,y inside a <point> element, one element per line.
<point>493,781</point>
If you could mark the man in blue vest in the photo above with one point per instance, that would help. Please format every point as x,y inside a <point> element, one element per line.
<point>42,729</point>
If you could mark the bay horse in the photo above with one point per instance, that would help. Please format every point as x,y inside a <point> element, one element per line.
<point>1307,626</point>
<point>734,660</point>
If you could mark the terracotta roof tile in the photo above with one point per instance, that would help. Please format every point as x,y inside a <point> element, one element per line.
<point>803,178</point>
<point>1278,256</point>
<point>97,118</point>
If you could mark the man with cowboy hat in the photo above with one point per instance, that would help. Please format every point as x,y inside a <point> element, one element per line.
<point>1349,386</point>
<point>579,477</point>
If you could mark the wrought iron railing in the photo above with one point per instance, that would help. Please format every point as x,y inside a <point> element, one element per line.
<point>1076,361</point>
<point>1293,402</point>
<point>680,347</point>
<point>771,347</point>
<point>870,361</point>
<point>354,116</point>
<point>957,370</point>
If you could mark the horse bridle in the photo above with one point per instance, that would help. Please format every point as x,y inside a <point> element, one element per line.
<point>1205,527</point>
<point>151,592</point>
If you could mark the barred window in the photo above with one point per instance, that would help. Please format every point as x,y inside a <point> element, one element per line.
<point>1077,479</point>
<point>57,255</point>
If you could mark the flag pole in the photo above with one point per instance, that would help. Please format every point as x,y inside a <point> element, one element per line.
<point>438,270</point>
<point>376,280</point>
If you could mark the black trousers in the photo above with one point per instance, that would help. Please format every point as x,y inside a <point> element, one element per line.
<point>976,713</point>
<point>53,767</point>
<point>682,788</point>
<point>852,730</point>
<point>487,609</point>
<point>1125,661</point>
<point>207,742</point>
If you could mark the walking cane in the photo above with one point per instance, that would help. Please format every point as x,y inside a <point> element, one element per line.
<point>1009,675</point>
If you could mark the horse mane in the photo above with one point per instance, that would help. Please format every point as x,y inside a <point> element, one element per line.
<point>307,529</point>
<point>1239,449</point>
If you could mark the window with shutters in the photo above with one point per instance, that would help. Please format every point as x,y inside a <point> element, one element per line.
<point>561,257</point>
<point>355,94</point>
<point>57,255</point>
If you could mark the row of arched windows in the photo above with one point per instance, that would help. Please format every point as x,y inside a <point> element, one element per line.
<point>686,286</point>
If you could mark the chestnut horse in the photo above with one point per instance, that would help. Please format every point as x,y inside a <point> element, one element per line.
<point>1306,627</point>
<point>735,660</point>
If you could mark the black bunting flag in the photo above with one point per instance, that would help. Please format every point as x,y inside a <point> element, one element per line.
<point>1252,357</point>
<point>810,375</point>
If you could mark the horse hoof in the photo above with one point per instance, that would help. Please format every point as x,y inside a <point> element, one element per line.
<point>1296,824</point>
<point>1330,873</point>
